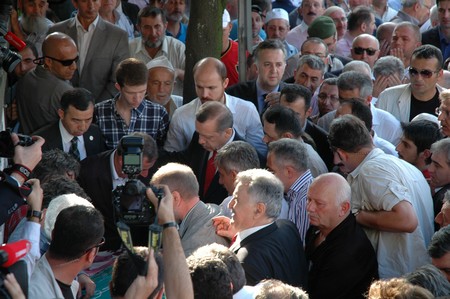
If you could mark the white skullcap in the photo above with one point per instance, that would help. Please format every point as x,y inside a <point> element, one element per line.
<point>226,19</point>
<point>277,13</point>
<point>426,116</point>
<point>160,61</point>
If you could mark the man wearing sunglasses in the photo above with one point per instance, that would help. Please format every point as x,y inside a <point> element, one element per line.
<point>77,236</point>
<point>39,93</point>
<point>422,94</point>
<point>366,48</point>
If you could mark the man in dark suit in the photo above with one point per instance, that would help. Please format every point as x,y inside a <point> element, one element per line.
<point>74,133</point>
<point>270,60</point>
<point>102,173</point>
<point>100,53</point>
<point>298,98</point>
<point>266,247</point>
<point>436,35</point>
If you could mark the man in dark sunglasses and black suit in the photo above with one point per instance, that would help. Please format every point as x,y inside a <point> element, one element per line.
<point>422,94</point>
<point>39,92</point>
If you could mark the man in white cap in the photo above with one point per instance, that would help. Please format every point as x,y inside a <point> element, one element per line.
<point>277,27</point>
<point>230,50</point>
<point>160,84</point>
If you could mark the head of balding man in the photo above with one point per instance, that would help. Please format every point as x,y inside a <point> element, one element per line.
<point>366,47</point>
<point>328,202</point>
<point>60,55</point>
<point>210,76</point>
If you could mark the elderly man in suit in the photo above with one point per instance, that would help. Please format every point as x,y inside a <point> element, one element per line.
<point>101,47</point>
<point>74,132</point>
<point>266,247</point>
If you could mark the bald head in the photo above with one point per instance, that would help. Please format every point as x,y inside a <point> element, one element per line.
<point>210,64</point>
<point>384,31</point>
<point>210,76</point>
<point>56,40</point>
<point>333,183</point>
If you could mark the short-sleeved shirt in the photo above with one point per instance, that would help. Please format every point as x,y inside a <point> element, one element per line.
<point>148,118</point>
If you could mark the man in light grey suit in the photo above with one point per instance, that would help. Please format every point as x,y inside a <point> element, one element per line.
<point>193,216</point>
<point>101,47</point>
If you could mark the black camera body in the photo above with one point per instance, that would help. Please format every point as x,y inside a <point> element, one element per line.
<point>7,146</point>
<point>130,201</point>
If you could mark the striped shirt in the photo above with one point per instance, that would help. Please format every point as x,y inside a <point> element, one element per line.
<point>296,198</point>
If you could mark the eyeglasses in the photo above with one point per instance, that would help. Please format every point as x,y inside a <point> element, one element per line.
<point>67,62</point>
<point>424,73</point>
<point>102,241</point>
<point>360,51</point>
<point>324,96</point>
<point>439,111</point>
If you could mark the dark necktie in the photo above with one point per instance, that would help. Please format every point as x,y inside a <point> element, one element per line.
<point>210,172</point>
<point>74,148</point>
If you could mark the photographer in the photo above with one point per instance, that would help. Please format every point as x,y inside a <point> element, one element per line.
<point>25,158</point>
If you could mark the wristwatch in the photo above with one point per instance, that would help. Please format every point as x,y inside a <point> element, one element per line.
<point>34,213</point>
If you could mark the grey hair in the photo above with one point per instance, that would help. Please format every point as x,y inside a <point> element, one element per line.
<point>358,66</point>
<point>290,152</point>
<point>263,187</point>
<point>440,243</point>
<point>410,3</point>
<point>313,62</point>
<point>430,278</point>
<point>237,156</point>
<point>388,66</point>
<point>355,80</point>
<point>413,27</point>
<point>442,146</point>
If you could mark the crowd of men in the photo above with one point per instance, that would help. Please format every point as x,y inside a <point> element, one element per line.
<point>323,174</point>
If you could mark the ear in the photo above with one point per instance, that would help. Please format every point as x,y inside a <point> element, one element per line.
<point>260,210</point>
<point>441,73</point>
<point>345,207</point>
<point>117,86</point>
<point>234,174</point>
<point>75,4</point>
<point>90,256</point>
<point>426,153</point>
<point>225,83</point>
<point>368,100</point>
<point>308,112</point>
<point>176,198</point>
<point>61,113</point>
<point>287,135</point>
<point>229,132</point>
<point>363,27</point>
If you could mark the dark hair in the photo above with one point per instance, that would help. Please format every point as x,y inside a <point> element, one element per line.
<point>151,11</point>
<point>440,243</point>
<point>428,52</point>
<point>285,120</point>
<point>349,133</point>
<point>210,278</point>
<point>150,150</point>
<point>238,156</point>
<point>79,98</point>
<point>77,229</point>
<point>361,111</point>
<point>132,72</point>
<point>125,271</point>
<point>269,44</point>
<point>423,133</point>
<point>55,162</point>
<point>360,15</point>
<point>59,185</point>
<point>217,111</point>
<point>314,40</point>
<point>292,92</point>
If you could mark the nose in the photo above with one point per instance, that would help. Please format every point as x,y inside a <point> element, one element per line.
<point>201,140</point>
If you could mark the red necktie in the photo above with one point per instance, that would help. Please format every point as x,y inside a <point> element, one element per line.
<point>210,172</point>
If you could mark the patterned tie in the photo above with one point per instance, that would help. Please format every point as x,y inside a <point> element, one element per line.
<point>73,150</point>
<point>210,172</point>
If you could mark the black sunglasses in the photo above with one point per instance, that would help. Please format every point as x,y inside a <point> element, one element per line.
<point>424,73</point>
<point>360,51</point>
<point>67,62</point>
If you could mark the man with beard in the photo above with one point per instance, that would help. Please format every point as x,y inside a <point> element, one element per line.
<point>33,25</point>
<point>153,43</point>
<point>175,11</point>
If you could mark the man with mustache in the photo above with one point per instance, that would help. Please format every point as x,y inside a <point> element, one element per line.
<point>311,9</point>
<point>153,43</point>
<point>175,12</point>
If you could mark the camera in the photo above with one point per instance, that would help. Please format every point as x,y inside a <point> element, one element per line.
<point>7,146</point>
<point>130,201</point>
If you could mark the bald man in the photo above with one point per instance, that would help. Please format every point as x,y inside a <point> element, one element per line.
<point>210,78</point>
<point>39,92</point>
<point>366,48</point>
<point>340,252</point>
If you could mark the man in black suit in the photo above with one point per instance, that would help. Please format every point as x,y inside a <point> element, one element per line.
<point>298,99</point>
<point>436,35</point>
<point>266,247</point>
<point>74,132</point>
<point>102,173</point>
<point>270,60</point>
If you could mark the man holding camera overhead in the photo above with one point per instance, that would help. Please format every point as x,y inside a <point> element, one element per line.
<point>102,173</point>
